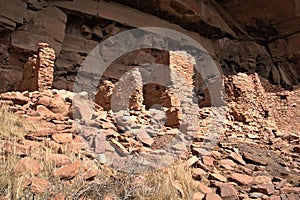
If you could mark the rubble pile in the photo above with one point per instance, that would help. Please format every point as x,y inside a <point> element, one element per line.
<point>255,157</point>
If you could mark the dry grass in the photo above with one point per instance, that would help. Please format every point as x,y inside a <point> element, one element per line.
<point>13,126</point>
<point>154,185</point>
<point>161,184</point>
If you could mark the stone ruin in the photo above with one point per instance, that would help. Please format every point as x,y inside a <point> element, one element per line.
<point>167,68</point>
<point>170,84</point>
<point>39,70</point>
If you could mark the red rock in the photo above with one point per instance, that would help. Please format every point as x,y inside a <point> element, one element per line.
<point>293,196</point>
<point>15,148</point>
<point>56,105</point>
<point>68,171</point>
<point>262,180</point>
<point>286,190</point>
<point>90,173</point>
<point>216,154</point>
<point>208,160</point>
<point>44,132</point>
<point>254,159</point>
<point>32,144</point>
<point>110,132</point>
<point>217,177</point>
<point>89,170</point>
<point>174,117</point>
<point>101,145</point>
<point>39,75</point>
<point>241,179</point>
<point>283,197</point>
<point>60,159</point>
<point>45,101</point>
<point>120,146</point>
<point>44,111</point>
<point>62,138</point>
<point>197,151</point>
<point>275,198</point>
<point>27,165</point>
<point>253,136</point>
<point>267,189</point>
<point>198,196</point>
<point>227,164</point>
<point>108,125</point>
<point>133,142</point>
<point>17,98</point>
<point>227,191</point>
<point>205,189</point>
<point>237,158</point>
<point>212,196</point>
<point>78,143</point>
<point>101,114</point>
<point>191,161</point>
<point>58,196</point>
<point>144,138</point>
<point>55,146</point>
<point>281,184</point>
<point>39,185</point>
<point>198,173</point>
<point>202,166</point>
<point>291,136</point>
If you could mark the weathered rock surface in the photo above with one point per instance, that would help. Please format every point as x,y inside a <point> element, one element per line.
<point>270,21</point>
<point>12,13</point>
<point>47,25</point>
<point>193,15</point>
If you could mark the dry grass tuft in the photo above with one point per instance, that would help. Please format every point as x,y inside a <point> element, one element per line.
<point>174,182</point>
<point>13,126</point>
<point>158,185</point>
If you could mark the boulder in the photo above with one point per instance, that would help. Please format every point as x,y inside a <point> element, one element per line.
<point>241,179</point>
<point>57,104</point>
<point>68,171</point>
<point>227,191</point>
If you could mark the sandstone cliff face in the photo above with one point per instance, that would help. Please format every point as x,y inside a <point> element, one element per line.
<point>249,37</point>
